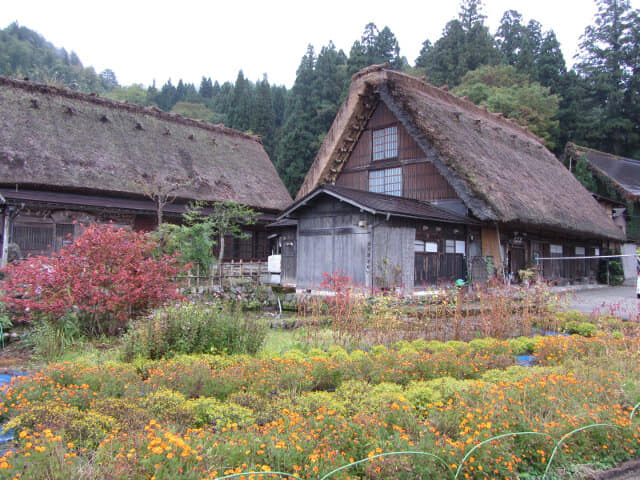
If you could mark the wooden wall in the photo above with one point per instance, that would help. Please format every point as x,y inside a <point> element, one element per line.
<point>393,257</point>
<point>330,240</point>
<point>419,177</point>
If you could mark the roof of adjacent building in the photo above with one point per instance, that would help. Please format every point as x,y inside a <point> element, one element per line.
<point>500,170</point>
<point>55,138</point>
<point>95,202</point>
<point>381,204</point>
<point>624,173</point>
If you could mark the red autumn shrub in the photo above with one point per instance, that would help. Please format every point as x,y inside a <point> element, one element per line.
<point>106,276</point>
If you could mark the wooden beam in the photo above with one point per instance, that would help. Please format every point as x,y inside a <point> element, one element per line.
<point>5,238</point>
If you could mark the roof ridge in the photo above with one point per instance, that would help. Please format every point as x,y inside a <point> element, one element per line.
<point>582,148</point>
<point>446,96</point>
<point>62,91</point>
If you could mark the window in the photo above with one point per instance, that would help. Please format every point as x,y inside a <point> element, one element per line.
<point>555,249</point>
<point>431,247</point>
<point>450,246</point>
<point>387,181</point>
<point>385,143</point>
<point>580,251</point>
<point>455,246</point>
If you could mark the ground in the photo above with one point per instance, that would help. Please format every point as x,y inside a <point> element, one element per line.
<point>620,301</point>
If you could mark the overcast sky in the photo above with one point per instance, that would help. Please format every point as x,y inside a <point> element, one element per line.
<point>142,41</point>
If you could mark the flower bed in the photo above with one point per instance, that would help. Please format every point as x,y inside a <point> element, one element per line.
<point>207,416</point>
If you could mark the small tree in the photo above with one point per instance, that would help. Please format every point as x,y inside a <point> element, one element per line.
<point>228,219</point>
<point>194,240</point>
<point>161,190</point>
<point>106,276</point>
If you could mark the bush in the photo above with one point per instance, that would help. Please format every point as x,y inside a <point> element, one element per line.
<point>585,329</point>
<point>170,405</point>
<point>209,411</point>
<point>105,277</point>
<point>194,328</point>
<point>85,427</point>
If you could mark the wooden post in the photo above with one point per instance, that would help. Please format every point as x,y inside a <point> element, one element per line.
<point>5,238</point>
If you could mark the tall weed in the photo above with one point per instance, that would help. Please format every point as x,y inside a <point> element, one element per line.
<point>194,328</point>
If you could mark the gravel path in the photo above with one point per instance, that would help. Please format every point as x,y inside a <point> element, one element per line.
<point>619,301</point>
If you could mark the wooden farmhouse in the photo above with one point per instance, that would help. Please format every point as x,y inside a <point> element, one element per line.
<point>614,174</point>
<point>619,177</point>
<point>67,157</point>
<point>415,187</point>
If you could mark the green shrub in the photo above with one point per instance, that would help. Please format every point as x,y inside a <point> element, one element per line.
<point>168,405</point>
<point>448,387</point>
<point>209,411</point>
<point>194,328</point>
<point>338,353</point>
<point>87,428</point>
<point>421,395</point>
<point>379,350</point>
<point>311,402</point>
<point>522,345</point>
<point>357,355</point>
<point>585,329</point>
<point>420,345</point>
<point>326,375</point>
<point>511,374</point>
<point>50,339</point>
<point>126,412</point>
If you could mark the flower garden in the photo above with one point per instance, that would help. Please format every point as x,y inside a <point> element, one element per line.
<point>187,394</point>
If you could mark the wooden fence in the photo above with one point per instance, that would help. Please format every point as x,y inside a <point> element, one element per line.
<point>233,271</point>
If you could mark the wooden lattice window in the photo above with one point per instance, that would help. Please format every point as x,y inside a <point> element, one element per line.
<point>385,143</point>
<point>388,181</point>
<point>34,238</point>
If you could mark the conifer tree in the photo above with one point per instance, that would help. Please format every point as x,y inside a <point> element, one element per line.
<point>465,45</point>
<point>607,65</point>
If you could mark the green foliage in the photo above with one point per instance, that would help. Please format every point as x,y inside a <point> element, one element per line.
<point>465,45</point>
<point>169,404</point>
<point>375,47</point>
<point>5,318</point>
<point>209,411</point>
<point>25,53</point>
<point>51,339</point>
<point>198,111</point>
<point>502,89</point>
<point>194,328</point>
<point>422,396</point>
<point>193,240</point>
<point>611,272</point>
<point>229,219</point>
<point>583,173</point>
<point>586,329</point>
<point>88,428</point>
<point>609,67</point>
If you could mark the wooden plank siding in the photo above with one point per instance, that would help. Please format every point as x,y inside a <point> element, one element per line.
<point>420,179</point>
<point>330,240</point>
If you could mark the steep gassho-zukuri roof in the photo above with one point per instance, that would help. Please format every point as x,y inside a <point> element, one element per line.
<point>501,171</point>
<point>622,172</point>
<point>55,138</point>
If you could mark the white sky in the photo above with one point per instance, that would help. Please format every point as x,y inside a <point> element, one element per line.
<point>143,40</point>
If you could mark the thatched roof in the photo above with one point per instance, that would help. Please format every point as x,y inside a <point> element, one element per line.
<point>54,138</point>
<point>622,172</point>
<point>501,171</point>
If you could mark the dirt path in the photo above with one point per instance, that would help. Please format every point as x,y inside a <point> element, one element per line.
<point>626,471</point>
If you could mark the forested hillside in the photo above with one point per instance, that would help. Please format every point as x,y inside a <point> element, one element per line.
<point>519,70</point>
